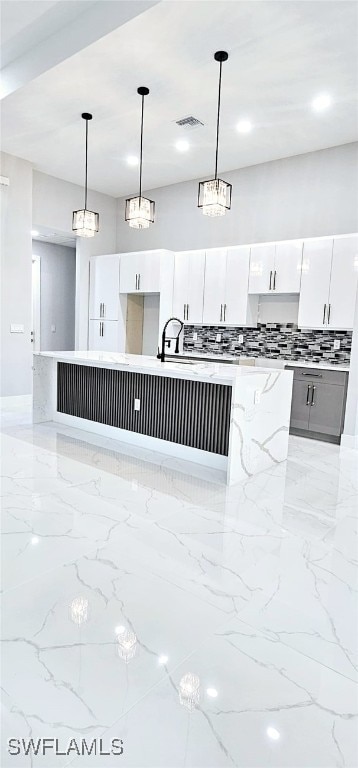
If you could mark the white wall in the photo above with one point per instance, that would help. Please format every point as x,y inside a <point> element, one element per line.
<point>303,196</point>
<point>350,435</point>
<point>58,295</point>
<point>16,276</point>
<point>53,203</point>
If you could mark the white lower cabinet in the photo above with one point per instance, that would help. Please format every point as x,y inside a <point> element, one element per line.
<point>226,299</point>
<point>188,290</point>
<point>106,336</point>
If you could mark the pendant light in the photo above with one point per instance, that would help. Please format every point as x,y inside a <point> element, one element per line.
<point>139,210</point>
<point>85,223</point>
<point>214,196</point>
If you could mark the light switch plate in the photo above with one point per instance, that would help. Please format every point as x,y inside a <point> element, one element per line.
<point>218,337</point>
<point>136,404</point>
<point>336,344</point>
<point>195,336</point>
<point>241,338</point>
<point>17,328</point>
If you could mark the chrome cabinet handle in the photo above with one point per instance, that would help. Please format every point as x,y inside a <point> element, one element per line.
<point>139,281</point>
<point>187,311</point>
<point>308,395</point>
<point>311,375</point>
<point>104,310</point>
<point>184,310</point>
<point>313,391</point>
<point>324,313</point>
<point>274,280</point>
<point>270,280</point>
<point>224,313</point>
<point>329,313</point>
<point>221,312</point>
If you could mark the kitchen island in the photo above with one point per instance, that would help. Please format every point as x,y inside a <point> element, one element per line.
<point>232,418</point>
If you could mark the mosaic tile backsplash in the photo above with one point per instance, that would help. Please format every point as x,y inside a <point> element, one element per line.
<point>271,340</point>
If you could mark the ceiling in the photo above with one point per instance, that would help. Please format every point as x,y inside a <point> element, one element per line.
<point>281,55</point>
<point>46,235</point>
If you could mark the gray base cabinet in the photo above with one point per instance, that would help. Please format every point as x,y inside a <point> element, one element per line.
<point>318,403</point>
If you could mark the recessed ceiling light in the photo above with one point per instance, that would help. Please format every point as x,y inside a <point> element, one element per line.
<point>120,630</point>
<point>244,126</point>
<point>321,102</point>
<point>35,540</point>
<point>212,692</point>
<point>182,145</point>
<point>34,233</point>
<point>132,160</point>
<point>273,733</point>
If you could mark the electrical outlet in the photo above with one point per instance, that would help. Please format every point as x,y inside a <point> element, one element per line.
<point>136,404</point>
<point>195,336</point>
<point>218,337</point>
<point>336,344</point>
<point>17,328</point>
<point>241,338</point>
<point>257,396</point>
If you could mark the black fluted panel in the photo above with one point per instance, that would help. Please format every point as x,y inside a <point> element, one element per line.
<point>192,413</point>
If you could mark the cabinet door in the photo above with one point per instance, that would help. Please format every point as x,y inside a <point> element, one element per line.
<point>316,272</point>
<point>287,272</point>
<point>149,272</point>
<point>180,289</point>
<point>326,410</point>
<point>129,270</point>
<point>195,287</point>
<point>300,410</point>
<point>214,288</point>
<point>344,281</point>
<point>104,287</point>
<point>104,336</point>
<point>236,288</point>
<point>262,266</point>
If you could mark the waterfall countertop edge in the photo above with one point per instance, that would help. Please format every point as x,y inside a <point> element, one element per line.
<point>219,373</point>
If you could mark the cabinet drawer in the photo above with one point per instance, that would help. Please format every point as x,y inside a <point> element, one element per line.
<point>322,375</point>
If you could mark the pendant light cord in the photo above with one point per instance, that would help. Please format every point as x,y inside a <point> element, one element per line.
<point>218,123</point>
<point>86,171</point>
<point>141,149</point>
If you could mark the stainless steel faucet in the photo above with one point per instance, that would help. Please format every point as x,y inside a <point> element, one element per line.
<point>166,339</point>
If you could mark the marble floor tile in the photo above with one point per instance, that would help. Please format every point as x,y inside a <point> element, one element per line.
<point>253,588</point>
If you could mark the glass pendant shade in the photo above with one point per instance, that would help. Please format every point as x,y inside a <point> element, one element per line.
<point>85,223</point>
<point>214,197</point>
<point>139,212</point>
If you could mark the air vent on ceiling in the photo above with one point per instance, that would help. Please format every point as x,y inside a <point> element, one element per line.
<point>189,122</point>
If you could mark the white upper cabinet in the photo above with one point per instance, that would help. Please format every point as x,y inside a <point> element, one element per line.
<point>188,291</point>
<point>226,299</point>
<point>276,268</point>
<point>215,286</point>
<point>140,272</point>
<point>287,267</point>
<point>329,283</point>
<point>344,282</point>
<point>316,275</point>
<point>104,287</point>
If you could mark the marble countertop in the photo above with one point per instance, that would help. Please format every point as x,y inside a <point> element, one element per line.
<point>220,373</point>
<point>280,362</point>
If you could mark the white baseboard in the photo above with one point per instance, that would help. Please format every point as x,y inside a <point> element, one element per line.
<point>349,441</point>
